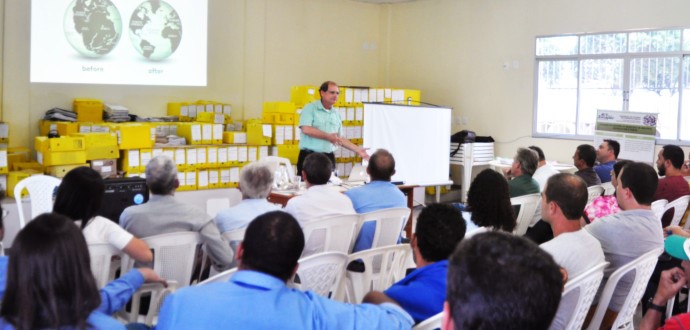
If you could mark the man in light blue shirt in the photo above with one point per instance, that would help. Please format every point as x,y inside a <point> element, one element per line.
<point>378,194</point>
<point>321,127</point>
<point>256,180</point>
<point>607,154</point>
<point>256,297</point>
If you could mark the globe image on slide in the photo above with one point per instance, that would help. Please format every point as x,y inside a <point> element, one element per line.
<point>155,29</point>
<point>92,27</point>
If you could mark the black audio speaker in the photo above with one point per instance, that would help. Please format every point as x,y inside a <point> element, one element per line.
<point>122,193</point>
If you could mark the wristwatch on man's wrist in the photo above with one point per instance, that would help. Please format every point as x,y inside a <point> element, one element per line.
<point>658,308</point>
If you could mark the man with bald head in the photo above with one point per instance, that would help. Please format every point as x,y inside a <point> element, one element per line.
<point>378,194</point>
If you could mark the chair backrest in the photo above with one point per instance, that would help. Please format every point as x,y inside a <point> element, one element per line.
<point>41,190</point>
<point>332,234</point>
<point>658,207</point>
<point>101,259</point>
<point>609,189</point>
<point>641,268</point>
<point>215,205</point>
<point>585,288</point>
<point>389,225</point>
<point>155,294</point>
<point>235,235</point>
<point>594,192</point>
<point>528,207</point>
<point>383,266</point>
<point>174,255</point>
<point>274,162</point>
<point>679,205</point>
<point>220,277</point>
<point>321,273</point>
<point>431,323</point>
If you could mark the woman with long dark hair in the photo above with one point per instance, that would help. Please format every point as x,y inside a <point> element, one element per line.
<point>79,197</point>
<point>488,200</point>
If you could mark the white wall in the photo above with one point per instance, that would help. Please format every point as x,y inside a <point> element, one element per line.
<point>454,50</point>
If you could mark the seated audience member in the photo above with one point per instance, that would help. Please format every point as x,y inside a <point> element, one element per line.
<point>672,184</point>
<point>583,159</point>
<point>627,235</point>
<point>607,154</point>
<point>79,197</point>
<point>50,283</point>
<point>164,214</point>
<point>520,173</point>
<point>439,229</point>
<point>544,170</point>
<point>256,180</point>
<point>574,249</point>
<point>606,205</point>
<point>488,201</point>
<point>256,297</point>
<point>482,290</point>
<point>320,201</point>
<point>376,195</point>
<point>3,258</point>
<point>671,281</point>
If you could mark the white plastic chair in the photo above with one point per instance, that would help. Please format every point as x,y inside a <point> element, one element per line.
<point>431,323</point>
<point>101,261</point>
<point>528,207</point>
<point>594,192</point>
<point>274,162</point>
<point>389,225</point>
<point>220,277</point>
<point>679,205</point>
<point>609,189</point>
<point>331,234</point>
<point>582,290</point>
<point>383,266</point>
<point>157,293</point>
<point>658,207</point>
<point>641,270</point>
<point>320,273</point>
<point>173,255</point>
<point>41,190</point>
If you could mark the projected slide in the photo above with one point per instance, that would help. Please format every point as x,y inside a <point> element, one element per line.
<point>137,42</point>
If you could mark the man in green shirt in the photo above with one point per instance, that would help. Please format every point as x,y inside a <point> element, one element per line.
<point>519,175</point>
<point>321,127</point>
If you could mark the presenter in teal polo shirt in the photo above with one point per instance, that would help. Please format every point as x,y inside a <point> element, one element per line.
<point>322,127</point>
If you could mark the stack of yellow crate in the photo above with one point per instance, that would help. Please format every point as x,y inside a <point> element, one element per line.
<point>61,154</point>
<point>88,110</point>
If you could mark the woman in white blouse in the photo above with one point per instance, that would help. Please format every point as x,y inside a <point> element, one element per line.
<point>79,197</point>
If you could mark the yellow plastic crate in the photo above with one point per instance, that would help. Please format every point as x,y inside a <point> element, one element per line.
<point>301,95</point>
<point>201,157</point>
<point>235,137</point>
<point>134,136</point>
<point>63,143</point>
<point>210,117</point>
<point>13,177</point>
<point>202,179</point>
<point>130,160</point>
<point>212,156</point>
<point>53,158</point>
<point>61,170</point>
<point>290,152</point>
<point>191,132</point>
<point>89,110</point>
<point>206,133</point>
<point>17,155</point>
<point>19,166</point>
<point>4,165</point>
<point>258,134</point>
<point>181,110</point>
<point>213,178</point>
